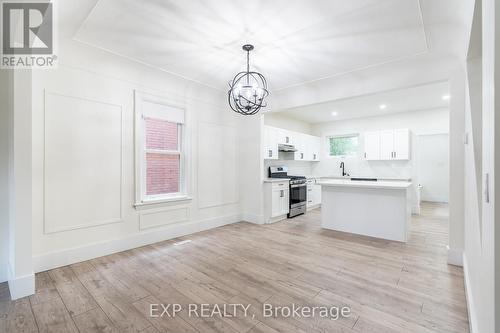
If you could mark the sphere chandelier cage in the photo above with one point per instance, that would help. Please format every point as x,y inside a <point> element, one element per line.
<point>247,90</point>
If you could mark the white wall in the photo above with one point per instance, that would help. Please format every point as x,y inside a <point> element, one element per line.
<point>482,234</point>
<point>5,90</point>
<point>90,77</point>
<point>281,120</point>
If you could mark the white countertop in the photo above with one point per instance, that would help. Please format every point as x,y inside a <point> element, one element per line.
<point>356,176</point>
<point>276,180</point>
<point>364,184</point>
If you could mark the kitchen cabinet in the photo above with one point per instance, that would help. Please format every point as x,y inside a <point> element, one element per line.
<point>270,144</point>
<point>308,146</point>
<point>301,146</point>
<point>386,144</point>
<point>313,194</point>
<point>401,144</point>
<point>372,145</point>
<point>280,201</point>
<point>285,137</point>
<point>276,200</point>
<point>391,144</point>
<point>314,148</point>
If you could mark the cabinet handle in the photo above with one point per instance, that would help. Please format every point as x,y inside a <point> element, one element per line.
<point>394,154</point>
<point>301,156</point>
<point>314,157</point>
<point>365,154</point>
<point>281,194</point>
<point>287,139</point>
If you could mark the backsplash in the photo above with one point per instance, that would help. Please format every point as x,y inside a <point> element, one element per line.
<point>298,168</point>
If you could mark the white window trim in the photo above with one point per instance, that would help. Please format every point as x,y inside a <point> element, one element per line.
<point>141,199</point>
<point>347,135</point>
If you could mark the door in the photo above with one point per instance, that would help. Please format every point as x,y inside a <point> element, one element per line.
<point>315,146</point>
<point>298,194</point>
<point>372,145</point>
<point>310,196</point>
<point>386,145</point>
<point>300,145</point>
<point>270,143</point>
<point>401,144</point>
<point>285,137</point>
<point>279,202</point>
<point>433,167</point>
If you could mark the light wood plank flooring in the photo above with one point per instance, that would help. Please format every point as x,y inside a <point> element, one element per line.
<point>390,287</point>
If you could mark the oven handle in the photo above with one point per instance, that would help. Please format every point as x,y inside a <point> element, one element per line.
<point>298,185</point>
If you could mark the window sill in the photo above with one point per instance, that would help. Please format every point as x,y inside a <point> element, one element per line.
<point>162,201</point>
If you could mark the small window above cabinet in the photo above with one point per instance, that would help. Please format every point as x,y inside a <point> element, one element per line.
<point>386,145</point>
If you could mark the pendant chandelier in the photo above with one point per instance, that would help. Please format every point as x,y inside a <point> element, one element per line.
<point>248,89</point>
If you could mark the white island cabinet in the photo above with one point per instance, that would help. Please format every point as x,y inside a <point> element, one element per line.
<point>379,209</point>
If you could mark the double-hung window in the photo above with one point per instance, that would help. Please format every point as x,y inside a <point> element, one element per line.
<point>160,139</point>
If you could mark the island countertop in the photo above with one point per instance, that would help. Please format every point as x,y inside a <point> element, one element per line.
<point>364,184</point>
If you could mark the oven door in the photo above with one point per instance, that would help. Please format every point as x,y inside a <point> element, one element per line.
<point>298,195</point>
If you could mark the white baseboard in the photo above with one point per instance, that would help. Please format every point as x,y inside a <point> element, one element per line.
<point>21,286</point>
<point>468,297</point>
<point>4,276</point>
<point>455,257</point>
<point>73,255</point>
<point>253,218</point>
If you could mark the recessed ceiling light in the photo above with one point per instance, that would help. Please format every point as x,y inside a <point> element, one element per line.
<point>445,97</point>
<point>335,113</point>
<point>382,106</point>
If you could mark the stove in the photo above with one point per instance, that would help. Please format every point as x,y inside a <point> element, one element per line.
<point>298,189</point>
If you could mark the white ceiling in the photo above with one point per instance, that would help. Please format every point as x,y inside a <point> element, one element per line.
<point>424,97</point>
<point>297,41</point>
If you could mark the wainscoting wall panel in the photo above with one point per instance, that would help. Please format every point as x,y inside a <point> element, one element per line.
<point>217,165</point>
<point>82,163</point>
<point>162,217</point>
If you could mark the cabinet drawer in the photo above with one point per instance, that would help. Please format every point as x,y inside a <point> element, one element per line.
<point>282,185</point>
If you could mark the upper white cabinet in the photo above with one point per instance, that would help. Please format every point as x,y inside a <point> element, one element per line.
<point>270,145</point>
<point>387,145</point>
<point>301,146</point>
<point>401,144</point>
<point>372,145</point>
<point>284,136</point>
<point>314,146</point>
<point>308,146</point>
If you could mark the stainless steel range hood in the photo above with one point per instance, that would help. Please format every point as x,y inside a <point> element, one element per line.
<point>286,148</point>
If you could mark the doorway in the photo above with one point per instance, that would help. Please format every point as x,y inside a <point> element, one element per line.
<point>433,167</point>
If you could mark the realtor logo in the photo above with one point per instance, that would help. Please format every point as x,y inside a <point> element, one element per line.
<point>27,35</point>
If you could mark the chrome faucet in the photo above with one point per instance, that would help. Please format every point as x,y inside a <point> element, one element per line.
<point>343,170</point>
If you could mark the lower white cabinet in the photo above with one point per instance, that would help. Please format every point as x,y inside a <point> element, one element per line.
<point>313,194</point>
<point>280,198</point>
<point>276,200</point>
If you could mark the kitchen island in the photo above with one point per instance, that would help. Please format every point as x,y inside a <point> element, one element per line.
<point>379,209</point>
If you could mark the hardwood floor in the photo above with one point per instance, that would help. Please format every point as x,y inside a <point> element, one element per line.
<point>389,286</point>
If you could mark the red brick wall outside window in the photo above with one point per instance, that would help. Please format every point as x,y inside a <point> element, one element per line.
<point>162,157</point>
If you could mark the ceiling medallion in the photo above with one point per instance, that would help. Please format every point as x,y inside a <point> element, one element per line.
<point>248,89</point>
